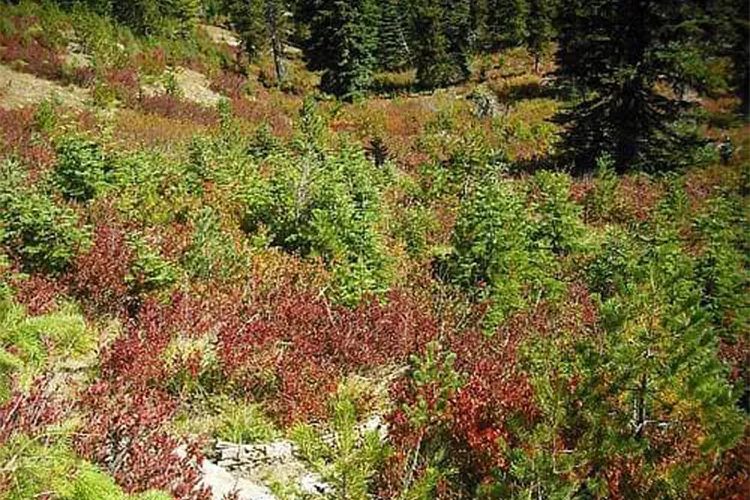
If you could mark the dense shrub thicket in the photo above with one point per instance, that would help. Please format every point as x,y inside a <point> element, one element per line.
<point>288,266</point>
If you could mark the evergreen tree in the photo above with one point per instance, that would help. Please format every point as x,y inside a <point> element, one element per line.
<point>539,28</point>
<point>458,32</point>
<point>343,37</point>
<point>508,19</point>
<point>249,22</point>
<point>142,16</point>
<point>147,17</point>
<point>393,48</point>
<point>616,51</point>
<point>479,23</point>
<point>741,61</point>
<point>185,13</point>
<point>440,30</point>
<point>275,13</point>
<point>729,24</point>
<point>642,396</point>
<point>261,25</point>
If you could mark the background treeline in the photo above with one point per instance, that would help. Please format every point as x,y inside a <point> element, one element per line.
<point>273,263</point>
<point>349,40</point>
<point>632,69</point>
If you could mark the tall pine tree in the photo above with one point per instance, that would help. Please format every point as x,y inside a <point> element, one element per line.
<point>343,45</point>
<point>441,31</point>
<point>617,52</point>
<point>507,20</point>
<point>479,24</point>
<point>261,26</point>
<point>539,28</point>
<point>393,47</point>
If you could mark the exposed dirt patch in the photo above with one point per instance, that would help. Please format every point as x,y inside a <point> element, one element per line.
<point>221,35</point>
<point>193,86</point>
<point>21,89</point>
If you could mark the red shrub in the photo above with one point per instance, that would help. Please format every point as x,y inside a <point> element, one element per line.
<point>261,110</point>
<point>135,357</point>
<point>637,197</point>
<point>125,432</point>
<point>474,423</point>
<point>232,85</point>
<point>494,391</point>
<point>38,294</point>
<point>98,276</point>
<point>18,137</point>
<point>125,84</point>
<point>31,413</point>
<point>84,76</point>
<point>151,61</point>
<point>308,345</point>
<point>172,107</point>
<point>580,189</point>
<point>729,479</point>
<point>37,57</point>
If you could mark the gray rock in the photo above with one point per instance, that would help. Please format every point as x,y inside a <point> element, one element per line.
<point>221,482</point>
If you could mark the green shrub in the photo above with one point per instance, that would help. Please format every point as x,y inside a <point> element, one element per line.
<point>192,366</point>
<point>241,422</point>
<point>212,253</point>
<point>37,468</point>
<point>43,235</point>
<point>600,201</point>
<point>651,374</point>
<point>324,204</point>
<point>557,222</point>
<point>348,462</point>
<point>150,271</point>
<point>140,181</point>
<point>81,170</point>
<point>494,254</point>
<point>458,162</point>
<point>435,380</point>
<point>49,468</point>
<point>220,159</point>
<point>413,226</point>
<point>46,116</point>
<point>722,266</point>
<point>611,267</point>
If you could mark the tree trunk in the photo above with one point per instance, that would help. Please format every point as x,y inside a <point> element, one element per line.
<point>272,18</point>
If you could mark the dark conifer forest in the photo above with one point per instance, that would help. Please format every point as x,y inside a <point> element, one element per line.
<point>374,249</point>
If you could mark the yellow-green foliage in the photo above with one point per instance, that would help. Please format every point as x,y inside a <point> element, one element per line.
<point>28,343</point>
<point>349,461</point>
<point>241,422</point>
<point>36,469</point>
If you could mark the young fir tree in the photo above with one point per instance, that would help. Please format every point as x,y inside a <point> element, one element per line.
<point>440,31</point>
<point>507,22</point>
<point>540,29</point>
<point>185,13</point>
<point>343,44</point>
<point>393,48</point>
<point>617,52</point>
<point>458,32</point>
<point>261,25</point>
<point>640,395</point>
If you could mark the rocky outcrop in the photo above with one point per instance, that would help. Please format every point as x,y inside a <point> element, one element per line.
<point>244,469</point>
<point>276,462</point>
<point>223,484</point>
